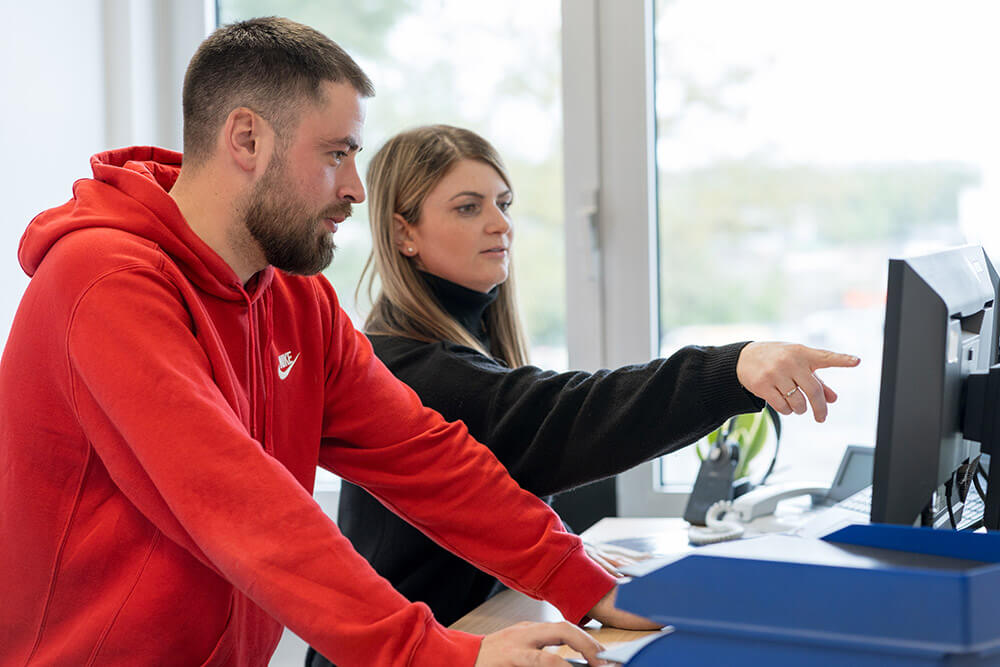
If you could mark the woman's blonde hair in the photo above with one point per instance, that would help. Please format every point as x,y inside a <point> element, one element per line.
<point>400,176</point>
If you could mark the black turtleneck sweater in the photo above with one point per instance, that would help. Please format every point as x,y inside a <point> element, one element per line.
<point>553,432</point>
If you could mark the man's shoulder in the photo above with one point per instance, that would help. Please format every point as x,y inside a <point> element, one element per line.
<point>103,248</point>
<point>81,257</point>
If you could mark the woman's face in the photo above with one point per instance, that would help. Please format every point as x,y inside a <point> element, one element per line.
<point>464,231</point>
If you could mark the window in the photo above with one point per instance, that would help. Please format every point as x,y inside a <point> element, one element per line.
<point>799,145</point>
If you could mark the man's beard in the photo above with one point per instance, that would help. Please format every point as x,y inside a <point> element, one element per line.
<point>292,237</point>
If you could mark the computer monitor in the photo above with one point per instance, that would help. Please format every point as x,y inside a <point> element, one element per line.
<point>940,326</point>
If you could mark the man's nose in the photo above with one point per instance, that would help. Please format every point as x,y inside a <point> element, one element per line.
<point>350,186</point>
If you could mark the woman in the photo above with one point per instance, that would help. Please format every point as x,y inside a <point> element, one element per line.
<point>445,322</point>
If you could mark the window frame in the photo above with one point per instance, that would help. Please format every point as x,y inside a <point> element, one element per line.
<point>612,285</point>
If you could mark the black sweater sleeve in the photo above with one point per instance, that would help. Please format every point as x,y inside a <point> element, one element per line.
<point>555,431</point>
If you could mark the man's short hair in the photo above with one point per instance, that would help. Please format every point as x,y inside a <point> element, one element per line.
<point>270,65</point>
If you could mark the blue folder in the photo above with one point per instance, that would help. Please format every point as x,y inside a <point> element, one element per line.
<point>866,595</point>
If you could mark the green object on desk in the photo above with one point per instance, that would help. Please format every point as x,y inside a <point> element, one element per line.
<point>750,431</point>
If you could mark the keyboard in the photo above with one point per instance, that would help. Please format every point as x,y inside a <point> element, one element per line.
<point>972,515</point>
<point>857,508</point>
<point>859,502</point>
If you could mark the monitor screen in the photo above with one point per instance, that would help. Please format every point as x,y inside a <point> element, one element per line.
<point>940,325</point>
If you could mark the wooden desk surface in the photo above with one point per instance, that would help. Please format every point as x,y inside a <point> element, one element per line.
<point>665,536</point>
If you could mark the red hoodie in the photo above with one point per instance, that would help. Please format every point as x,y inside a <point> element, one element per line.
<point>160,427</point>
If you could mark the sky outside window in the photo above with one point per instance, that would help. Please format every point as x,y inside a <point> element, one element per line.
<point>800,145</point>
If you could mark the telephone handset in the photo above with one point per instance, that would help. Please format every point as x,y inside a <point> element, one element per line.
<point>724,519</point>
<point>764,499</point>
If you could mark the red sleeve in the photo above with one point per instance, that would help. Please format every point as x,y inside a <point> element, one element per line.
<point>437,477</point>
<point>147,402</point>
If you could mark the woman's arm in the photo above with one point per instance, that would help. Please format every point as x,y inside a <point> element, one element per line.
<point>555,431</point>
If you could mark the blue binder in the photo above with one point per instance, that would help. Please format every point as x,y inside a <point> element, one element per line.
<point>867,595</point>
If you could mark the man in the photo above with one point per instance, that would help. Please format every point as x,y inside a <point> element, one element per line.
<point>176,371</point>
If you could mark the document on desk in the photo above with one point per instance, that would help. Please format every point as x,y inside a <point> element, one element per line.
<point>644,567</point>
<point>624,652</point>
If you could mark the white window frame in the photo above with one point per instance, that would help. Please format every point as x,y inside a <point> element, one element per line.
<point>144,73</point>
<point>612,271</point>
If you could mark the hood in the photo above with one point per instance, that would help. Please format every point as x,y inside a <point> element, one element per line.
<point>129,191</point>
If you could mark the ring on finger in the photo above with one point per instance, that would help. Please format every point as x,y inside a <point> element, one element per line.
<point>788,394</point>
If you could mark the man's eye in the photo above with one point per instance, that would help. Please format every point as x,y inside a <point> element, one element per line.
<point>338,156</point>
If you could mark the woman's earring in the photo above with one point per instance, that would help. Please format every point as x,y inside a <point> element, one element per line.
<point>409,250</point>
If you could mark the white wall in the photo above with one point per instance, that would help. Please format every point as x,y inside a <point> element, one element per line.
<point>51,119</point>
<point>79,77</point>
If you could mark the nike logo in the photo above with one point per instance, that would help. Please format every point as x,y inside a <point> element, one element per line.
<point>285,363</point>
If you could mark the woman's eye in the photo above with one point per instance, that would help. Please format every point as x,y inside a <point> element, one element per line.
<point>467,208</point>
<point>504,205</point>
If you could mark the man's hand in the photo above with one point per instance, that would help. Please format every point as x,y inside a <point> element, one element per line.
<point>783,374</point>
<point>612,557</point>
<point>606,613</point>
<point>521,646</point>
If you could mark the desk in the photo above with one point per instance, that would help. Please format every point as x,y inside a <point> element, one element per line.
<point>510,607</point>
<point>658,536</point>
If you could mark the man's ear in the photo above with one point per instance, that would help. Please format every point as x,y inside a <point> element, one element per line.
<point>246,138</point>
<point>402,234</point>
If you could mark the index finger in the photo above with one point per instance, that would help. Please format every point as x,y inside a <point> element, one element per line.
<point>828,359</point>
<point>555,634</point>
